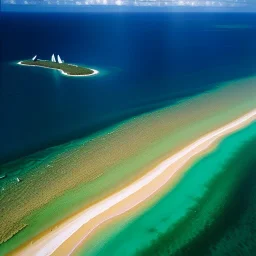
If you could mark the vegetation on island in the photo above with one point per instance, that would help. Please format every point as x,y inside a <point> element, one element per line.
<point>67,68</point>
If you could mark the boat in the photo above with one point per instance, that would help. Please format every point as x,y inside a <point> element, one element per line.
<point>59,59</point>
<point>34,58</point>
<point>2,176</point>
<point>18,179</point>
<point>53,58</point>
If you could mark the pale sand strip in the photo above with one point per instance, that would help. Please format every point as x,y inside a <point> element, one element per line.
<point>128,197</point>
<point>95,72</point>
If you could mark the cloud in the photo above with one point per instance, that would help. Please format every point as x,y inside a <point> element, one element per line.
<point>9,1</point>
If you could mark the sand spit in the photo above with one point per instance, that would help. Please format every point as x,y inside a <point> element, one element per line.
<point>83,172</point>
<point>95,72</point>
<point>54,242</point>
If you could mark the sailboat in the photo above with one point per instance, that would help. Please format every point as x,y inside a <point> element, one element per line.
<point>34,58</point>
<point>53,58</point>
<point>59,59</point>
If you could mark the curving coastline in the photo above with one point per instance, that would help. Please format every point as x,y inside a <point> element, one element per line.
<point>94,71</point>
<point>130,149</point>
<point>127,198</point>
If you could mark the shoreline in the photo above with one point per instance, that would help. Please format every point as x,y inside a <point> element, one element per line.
<point>137,192</point>
<point>95,72</point>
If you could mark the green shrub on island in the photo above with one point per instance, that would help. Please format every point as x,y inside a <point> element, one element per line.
<point>69,69</point>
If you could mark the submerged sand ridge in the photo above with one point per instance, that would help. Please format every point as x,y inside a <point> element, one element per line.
<point>84,172</point>
<point>51,241</point>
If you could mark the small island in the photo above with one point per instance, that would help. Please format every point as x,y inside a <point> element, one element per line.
<point>64,68</point>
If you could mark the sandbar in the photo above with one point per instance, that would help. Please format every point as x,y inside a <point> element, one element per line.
<point>67,238</point>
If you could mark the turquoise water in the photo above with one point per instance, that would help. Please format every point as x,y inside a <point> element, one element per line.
<point>171,213</point>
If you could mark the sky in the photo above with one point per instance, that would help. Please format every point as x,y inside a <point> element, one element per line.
<point>237,5</point>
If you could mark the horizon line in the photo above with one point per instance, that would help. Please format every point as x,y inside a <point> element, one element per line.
<point>115,8</point>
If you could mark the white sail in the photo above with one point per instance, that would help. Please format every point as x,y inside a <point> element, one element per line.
<point>59,59</point>
<point>34,58</point>
<point>53,58</point>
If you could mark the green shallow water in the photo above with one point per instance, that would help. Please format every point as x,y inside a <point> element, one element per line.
<point>175,224</point>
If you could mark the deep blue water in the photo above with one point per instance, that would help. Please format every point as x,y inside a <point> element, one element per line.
<point>145,61</point>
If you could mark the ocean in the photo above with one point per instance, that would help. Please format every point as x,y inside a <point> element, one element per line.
<point>165,79</point>
<point>145,61</point>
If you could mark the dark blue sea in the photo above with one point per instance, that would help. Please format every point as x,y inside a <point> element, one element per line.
<point>146,60</point>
